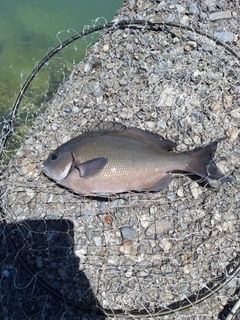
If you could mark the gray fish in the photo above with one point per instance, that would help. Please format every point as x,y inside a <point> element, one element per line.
<point>115,158</point>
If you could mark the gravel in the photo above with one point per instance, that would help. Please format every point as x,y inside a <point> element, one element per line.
<point>135,250</point>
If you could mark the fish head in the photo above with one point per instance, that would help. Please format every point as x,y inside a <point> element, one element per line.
<point>59,164</point>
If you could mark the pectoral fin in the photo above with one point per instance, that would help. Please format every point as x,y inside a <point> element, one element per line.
<point>91,167</point>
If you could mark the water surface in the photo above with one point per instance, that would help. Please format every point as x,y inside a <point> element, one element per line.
<point>31,28</point>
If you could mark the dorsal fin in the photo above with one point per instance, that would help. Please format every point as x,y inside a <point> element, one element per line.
<point>148,137</point>
<point>120,130</point>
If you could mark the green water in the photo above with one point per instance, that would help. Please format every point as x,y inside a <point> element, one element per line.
<point>31,28</point>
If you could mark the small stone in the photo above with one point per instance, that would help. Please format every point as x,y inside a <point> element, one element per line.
<point>195,103</point>
<point>224,302</point>
<point>160,67</point>
<point>215,107</point>
<point>165,244</point>
<point>128,233</point>
<point>67,108</point>
<point>105,48</point>
<point>102,207</point>
<point>194,190</point>
<point>123,82</point>
<point>235,113</point>
<point>224,36</point>
<point>220,15</point>
<point>86,68</point>
<point>168,97</point>
<point>54,127</point>
<point>129,273</point>
<point>129,248</point>
<point>116,203</point>
<point>145,220</point>
<point>5,273</point>
<point>180,9</point>
<point>85,110</point>
<point>170,17</point>
<point>180,192</point>
<point>50,198</point>
<point>190,45</point>
<point>186,270</point>
<point>131,4</point>
<point>184,225</point>
<point>39,262</point>
<point>33,204</point>
<point>220,5</point>
<point>97,241</point>
<point>75,109</point>
<point>193,9</point>
<point>185,20</point>
<point>232,133</point>
<point>18,211</point>
<point>159,227</point>
<point>143,273</point>
<point>161,5</point>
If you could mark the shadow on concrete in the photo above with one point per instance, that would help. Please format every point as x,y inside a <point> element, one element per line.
<point>40,277</point>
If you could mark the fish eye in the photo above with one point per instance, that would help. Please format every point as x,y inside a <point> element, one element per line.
<point>54,156</point>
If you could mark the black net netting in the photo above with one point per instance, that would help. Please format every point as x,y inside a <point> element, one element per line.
<point>145,254</point>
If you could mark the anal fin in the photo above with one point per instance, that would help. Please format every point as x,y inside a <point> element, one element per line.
<point>163,182</point>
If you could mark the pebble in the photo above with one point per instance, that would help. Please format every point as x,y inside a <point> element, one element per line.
<point>224,36</point>
<point>235,113</point>
<point>193,9</point>
<point>129,248</point>
<point>190,45</point>
<point>39,262</point>
<point>180,9</point>
<point>232,133</point>
<point>165,244</point>
<point>105,48</point>
<point>18,211</point>
<point>170,17</point>
<point>68,108</point>
<point>220,15</point>
<point>180,192</point>
<point>50,198</point>
<point>116,203</point>
<point>128,233</point>
<point>161,5</point>
<point>129,273</point>
<point>167,97</point>
<point>195,190</point>
<point>186,270</point>
<point>123,82</point>
<point>54,127</point>
<point>159,227</point>
<point>85,110</point>
<point>162,65</point>
<point>143,273</point>
<point>185,20</point>
<point>97,241</point>
<point>75,109</point>
<point>86,68</point>
<point>5,273</point>
<point>145,220</point>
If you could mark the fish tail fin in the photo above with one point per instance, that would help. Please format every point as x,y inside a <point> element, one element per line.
<point>201,162</point>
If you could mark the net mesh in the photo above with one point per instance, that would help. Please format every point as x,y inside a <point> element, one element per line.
<point>136,253</point>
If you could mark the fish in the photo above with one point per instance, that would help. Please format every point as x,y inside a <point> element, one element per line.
<point>114,158</point>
